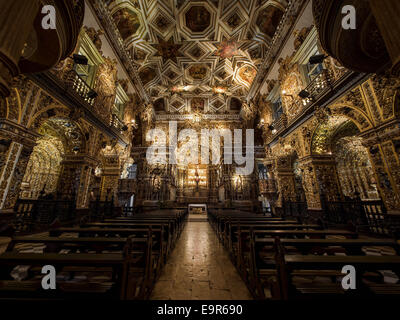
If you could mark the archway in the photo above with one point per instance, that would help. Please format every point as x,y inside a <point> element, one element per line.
<point>43,168</point>
<point>59,137</point>
<point>339,138</point>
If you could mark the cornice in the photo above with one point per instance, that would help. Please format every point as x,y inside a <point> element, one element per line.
<point>220,117</point>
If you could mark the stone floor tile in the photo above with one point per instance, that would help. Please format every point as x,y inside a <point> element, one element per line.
<point>199,268</point>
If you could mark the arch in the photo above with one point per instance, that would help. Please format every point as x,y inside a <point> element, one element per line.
<point>69,132</point>
<point>321,141</point>
<point>52,110</point>
<point>354,168</point>
<point>13,107</point>
<point>43,169</point>
<point>57,113</point>
<point>359,117</point>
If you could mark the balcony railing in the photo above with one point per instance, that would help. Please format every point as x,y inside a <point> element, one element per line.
<point>320,84</point>
<point>75,82</point>
<point>66,86</point>
<point>280,123</point>
<point>117,123</point>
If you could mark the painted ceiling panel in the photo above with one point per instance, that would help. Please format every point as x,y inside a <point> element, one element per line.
<point>197,49</point>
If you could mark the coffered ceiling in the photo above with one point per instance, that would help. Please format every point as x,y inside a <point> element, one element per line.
<point>197,55</point>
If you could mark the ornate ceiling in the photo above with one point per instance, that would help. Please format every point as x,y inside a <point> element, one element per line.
<point>197,55</point>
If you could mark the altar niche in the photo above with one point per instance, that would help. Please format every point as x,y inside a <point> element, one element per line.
<point>197,209</point>
<point>197,176</point>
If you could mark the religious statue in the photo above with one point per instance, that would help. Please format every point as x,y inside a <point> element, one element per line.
<point>106,88</point>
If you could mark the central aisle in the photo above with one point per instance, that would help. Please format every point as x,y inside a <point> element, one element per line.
<point>199,269</point>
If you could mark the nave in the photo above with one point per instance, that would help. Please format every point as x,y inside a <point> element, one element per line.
<point>272,121</point>
<point>235,255</point>
<point>200,269</point>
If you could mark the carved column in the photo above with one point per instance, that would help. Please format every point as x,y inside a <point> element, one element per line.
<point>384,150</point>
<point>110,176</point>
<point>75,178</point>
<point>12,173</point>
<point>320,179</point>
<point>16,24</point>
<point>285,180</point>
<point>386,13</point>
<point>16,146</point>
<point>212,184</point>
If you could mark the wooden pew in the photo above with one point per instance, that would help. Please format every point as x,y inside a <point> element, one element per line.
<point>292,265</point>
<point>168,230</point>
<point>177,220</point>
<point>241,248</point>
<point>240,239</point>
<point>157,235</point>
<point>224,224</point>
<point>111,263</point>
<point>138,251</point>
<point>234,228</point>
<point>263,263</point>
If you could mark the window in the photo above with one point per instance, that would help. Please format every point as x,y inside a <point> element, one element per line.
<point>277,109</point>
<point>132,171</point>
<point>262,172</point>
<point>313,70</point>
<point>86,72</point>
<point>118,109</point>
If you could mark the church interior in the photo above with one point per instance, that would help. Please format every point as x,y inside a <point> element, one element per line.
<point>309,88</point>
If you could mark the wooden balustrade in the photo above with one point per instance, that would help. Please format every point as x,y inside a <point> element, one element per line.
<point>77,84</point>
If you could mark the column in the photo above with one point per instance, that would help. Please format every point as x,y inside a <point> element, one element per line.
<point>16,146</point>
<point>110,177</point>
<point>386,13</point>
<point>285,180</point>
<point>12,170</point>
<point>384,151</point>
<point>320,179</point>
<point>16,23</point>
<point>75,178</point>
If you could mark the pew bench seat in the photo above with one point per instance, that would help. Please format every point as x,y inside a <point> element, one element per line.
<point>113,284</point>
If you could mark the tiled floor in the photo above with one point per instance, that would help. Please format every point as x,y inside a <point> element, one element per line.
<point>199,269</point>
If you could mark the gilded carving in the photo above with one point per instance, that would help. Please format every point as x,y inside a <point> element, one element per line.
<point>106,88</point>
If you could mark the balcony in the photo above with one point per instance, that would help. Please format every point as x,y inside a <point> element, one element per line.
<point>117,123</point>
<point>78,85</point>
<point>320,85</point>
<point>66,86</point>
<point>321,92</point>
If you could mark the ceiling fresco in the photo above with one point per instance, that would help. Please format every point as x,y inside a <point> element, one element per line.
<point>208,50</point>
